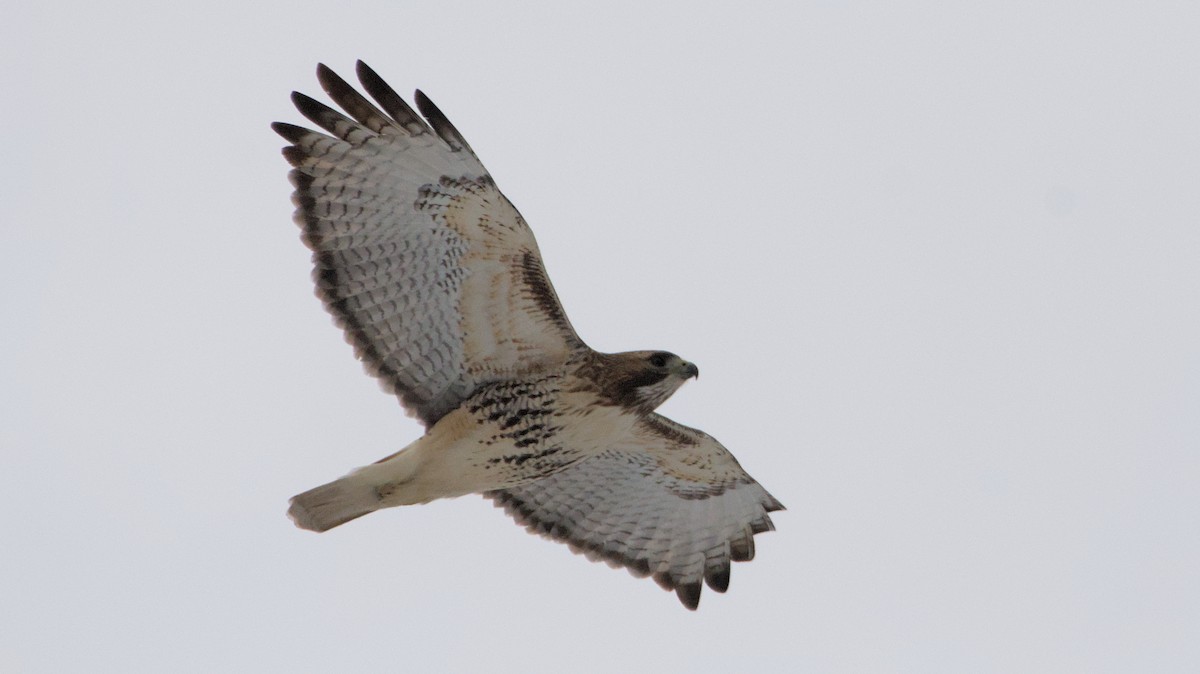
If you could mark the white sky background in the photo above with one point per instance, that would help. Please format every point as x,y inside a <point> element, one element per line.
<point>938,262</point>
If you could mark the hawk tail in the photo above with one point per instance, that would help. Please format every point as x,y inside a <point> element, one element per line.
<point>330,505</point>
<point>391,481</point>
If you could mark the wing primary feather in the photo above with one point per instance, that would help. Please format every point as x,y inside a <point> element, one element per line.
<point>390,101</point>
<point>718,578</point>
<point>664,580</point>
<point>294,156</point>
<point>741,549</point>
<point>326,117</point>
<point>353,102</point>
<point>445,130</point>
<point>762,524</point>
<point>291,132</point>
<point>689,594</point>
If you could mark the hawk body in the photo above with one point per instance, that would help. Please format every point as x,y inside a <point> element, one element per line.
<point>438,283</point>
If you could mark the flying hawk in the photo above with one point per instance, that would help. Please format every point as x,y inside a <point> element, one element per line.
<point>439,286</point>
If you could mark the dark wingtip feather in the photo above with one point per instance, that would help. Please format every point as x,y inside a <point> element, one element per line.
<point>387,98</point>
<point>331,82</point>
<point>638,568</point>
<point>762,525</point>
<point>689,595</point>
<point>664,580</point>
<point>290,132</point>
<point>441,125</point>
<point>301,181</point>
<point>324,116</point>
<point>718,579</point>
<point>366,72</point>
<point>324,74</point>
<point>353,102</point>
<point>294,155</point>
<point>742,549</point>
<point>309,106</point>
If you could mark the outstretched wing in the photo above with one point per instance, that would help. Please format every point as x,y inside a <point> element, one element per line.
<point>666,501</point>
<point>431,272</point>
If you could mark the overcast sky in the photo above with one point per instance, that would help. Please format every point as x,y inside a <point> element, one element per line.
<point>939,264</point>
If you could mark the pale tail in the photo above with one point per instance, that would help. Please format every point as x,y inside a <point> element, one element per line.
<point>383,484</point>
<point>338,502</point>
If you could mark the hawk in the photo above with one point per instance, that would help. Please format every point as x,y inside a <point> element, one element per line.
<point>437,282</point>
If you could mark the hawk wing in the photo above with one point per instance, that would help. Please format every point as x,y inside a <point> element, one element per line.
<point>430,271</point>
<point>665,500</point>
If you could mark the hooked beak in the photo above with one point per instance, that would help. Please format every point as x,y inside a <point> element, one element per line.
<point>690,371</point>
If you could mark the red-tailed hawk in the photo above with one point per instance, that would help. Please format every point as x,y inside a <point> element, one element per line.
<point>438,283</point>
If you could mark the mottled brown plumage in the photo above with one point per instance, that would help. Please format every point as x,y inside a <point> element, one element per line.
<point>438,283</point>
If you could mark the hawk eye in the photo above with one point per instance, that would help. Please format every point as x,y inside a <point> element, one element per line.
<point>658,360</point>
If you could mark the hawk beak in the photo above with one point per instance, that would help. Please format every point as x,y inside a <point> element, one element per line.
<point>690,371</point>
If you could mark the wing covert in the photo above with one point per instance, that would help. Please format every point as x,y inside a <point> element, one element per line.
<point>666,501</point>
<point>434,276</point>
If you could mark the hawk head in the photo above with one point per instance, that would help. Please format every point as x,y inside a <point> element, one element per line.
<point>642,380</point>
